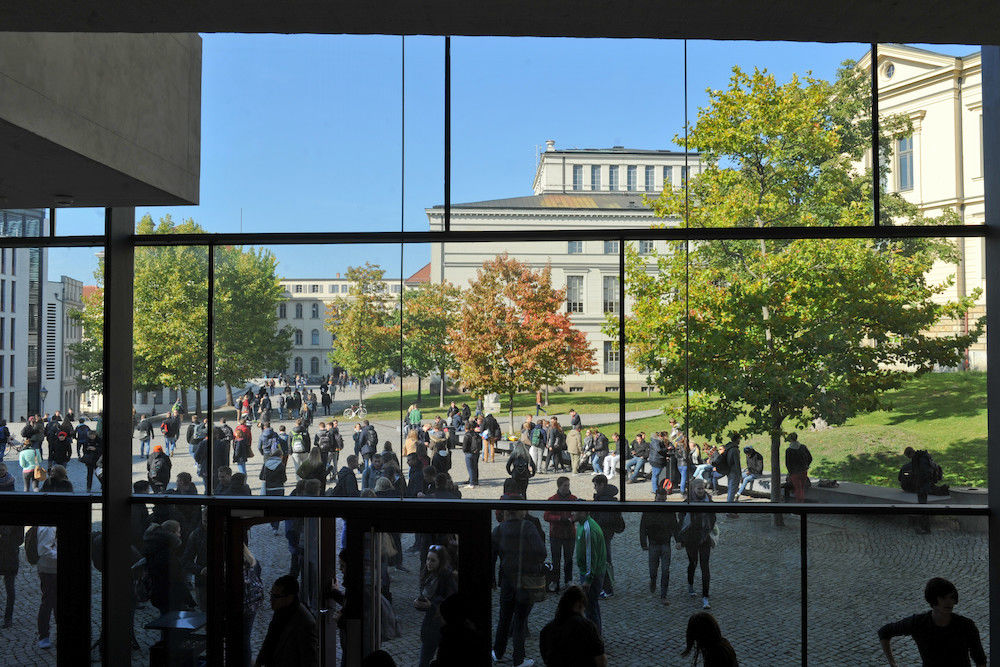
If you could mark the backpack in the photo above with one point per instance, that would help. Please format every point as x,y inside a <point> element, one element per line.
<point>164,428</point>
<point>720,462</point>
<point>298,444</point>
<point>520,469</point>
<point>31,545</point>
<point>755,463</point>
<point>372,437</point>
<point>156,467</point>
<point>536,437</point>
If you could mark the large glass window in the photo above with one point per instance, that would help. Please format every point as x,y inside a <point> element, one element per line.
<point>578,177</point>
<point>574,294</point>
<point>613,177</point>
<point>595,177</point>
<point>904,162</point>
<point>632,178</point>
<point>612,302</point>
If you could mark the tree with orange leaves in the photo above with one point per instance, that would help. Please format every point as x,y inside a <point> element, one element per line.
<point>513,333</point>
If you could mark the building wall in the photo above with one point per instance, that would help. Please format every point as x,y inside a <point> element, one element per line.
<point>318,293</point>
<point>59,331</point>
<point>942,97</point>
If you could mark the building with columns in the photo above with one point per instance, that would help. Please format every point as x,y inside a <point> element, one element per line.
<point>581,188</point>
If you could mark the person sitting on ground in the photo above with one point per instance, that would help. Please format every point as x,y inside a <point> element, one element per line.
<point>942,636</point>
<point>571,639</point>
<point>705,637</point>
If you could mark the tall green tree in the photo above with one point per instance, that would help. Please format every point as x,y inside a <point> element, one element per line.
<point>248,340</point>
<point>364,326</point>
<point>171,316</point>
<point>764,333</point>
<point>513,334</point>
<point>430,316</point>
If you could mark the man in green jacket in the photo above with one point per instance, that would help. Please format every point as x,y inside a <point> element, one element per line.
<point>591,563</point>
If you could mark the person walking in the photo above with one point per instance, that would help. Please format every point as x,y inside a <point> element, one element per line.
<point>942,636</point>
<point>655,531</point>
<point>611,522</point>
<point>696,534</point>
<point>733,468</point>
<point>145,430</point>
<point>521,467</point>
<point>562,536</point>
<point>520,548</point>
<point>30,461</point>
<point>538,403</point>
<point>591,563</point>
<point>47,557</point>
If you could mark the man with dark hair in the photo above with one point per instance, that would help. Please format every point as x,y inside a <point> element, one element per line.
<point>797,461</point>
<point>521,551</point>
<point>292,637</point>
<point>347,482</point>
<point>941,636</point>
<point>611,522</point>
<point>562,535</point>
<point>922,476</point>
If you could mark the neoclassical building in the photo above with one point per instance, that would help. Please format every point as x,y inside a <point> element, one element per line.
<point>940,165</point>
<point>581,188</point>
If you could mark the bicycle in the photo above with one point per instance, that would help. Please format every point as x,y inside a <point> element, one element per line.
<point>358,411</point>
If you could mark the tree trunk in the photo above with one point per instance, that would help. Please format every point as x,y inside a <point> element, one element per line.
<point>197,402</point>
<point>546,395</point>
<point>511,405</point>
<point>361,393</point>
<point>441,375</point>
<point>229,394</point>
<point>182,398</point>
<point>776,495</point>
<point>419,380</point>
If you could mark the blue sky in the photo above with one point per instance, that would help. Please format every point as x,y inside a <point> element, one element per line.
<point>303,133</point>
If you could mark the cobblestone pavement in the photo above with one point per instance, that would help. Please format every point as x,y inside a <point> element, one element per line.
<point>863,572</point>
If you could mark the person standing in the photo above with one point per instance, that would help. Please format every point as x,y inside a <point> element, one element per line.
<point>436,585</point>
<point>562,535</point>
<point>655,531</point>
<point>574,445</point>
<point>942,636</point>
<point>171,428</point>
<point>519,546</point>
<point>733,474</point>
<point>472,444</point>
<point>658,461</point>
<point>292,637</point>
<point>556,445</point>
<point>570,639</point>
<point>696,534</point>
<point>797,462</point>
<point>591,563</point>
<point>47,556</point>
<point>11,539</point>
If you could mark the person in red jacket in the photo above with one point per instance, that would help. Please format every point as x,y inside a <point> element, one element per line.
<point>562,536</point>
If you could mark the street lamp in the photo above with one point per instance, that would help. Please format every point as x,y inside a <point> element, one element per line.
<point>42,395</point>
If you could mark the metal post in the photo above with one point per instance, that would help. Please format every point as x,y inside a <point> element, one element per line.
<point>622,440</point>
<point>991,190</point>
<point>447,134</point>
<point>804,584</point>
<point>119,259</point>
<point>876,164</point>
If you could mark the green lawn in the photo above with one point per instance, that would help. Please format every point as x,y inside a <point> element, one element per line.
<point>944,413</point>
<point>386,406</point>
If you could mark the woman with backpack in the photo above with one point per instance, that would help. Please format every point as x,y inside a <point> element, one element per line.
<point>520,466</point>
<point>697,534</point>
<point>299,443</point>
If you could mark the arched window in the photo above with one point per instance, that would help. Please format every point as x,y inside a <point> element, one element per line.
<point>298,311</point>
<point>315,336</point>
<point>282,311</point>
<point>298,336</point>
<point>315,311</point>
<point>314,365</point>
<point>298,364</point>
